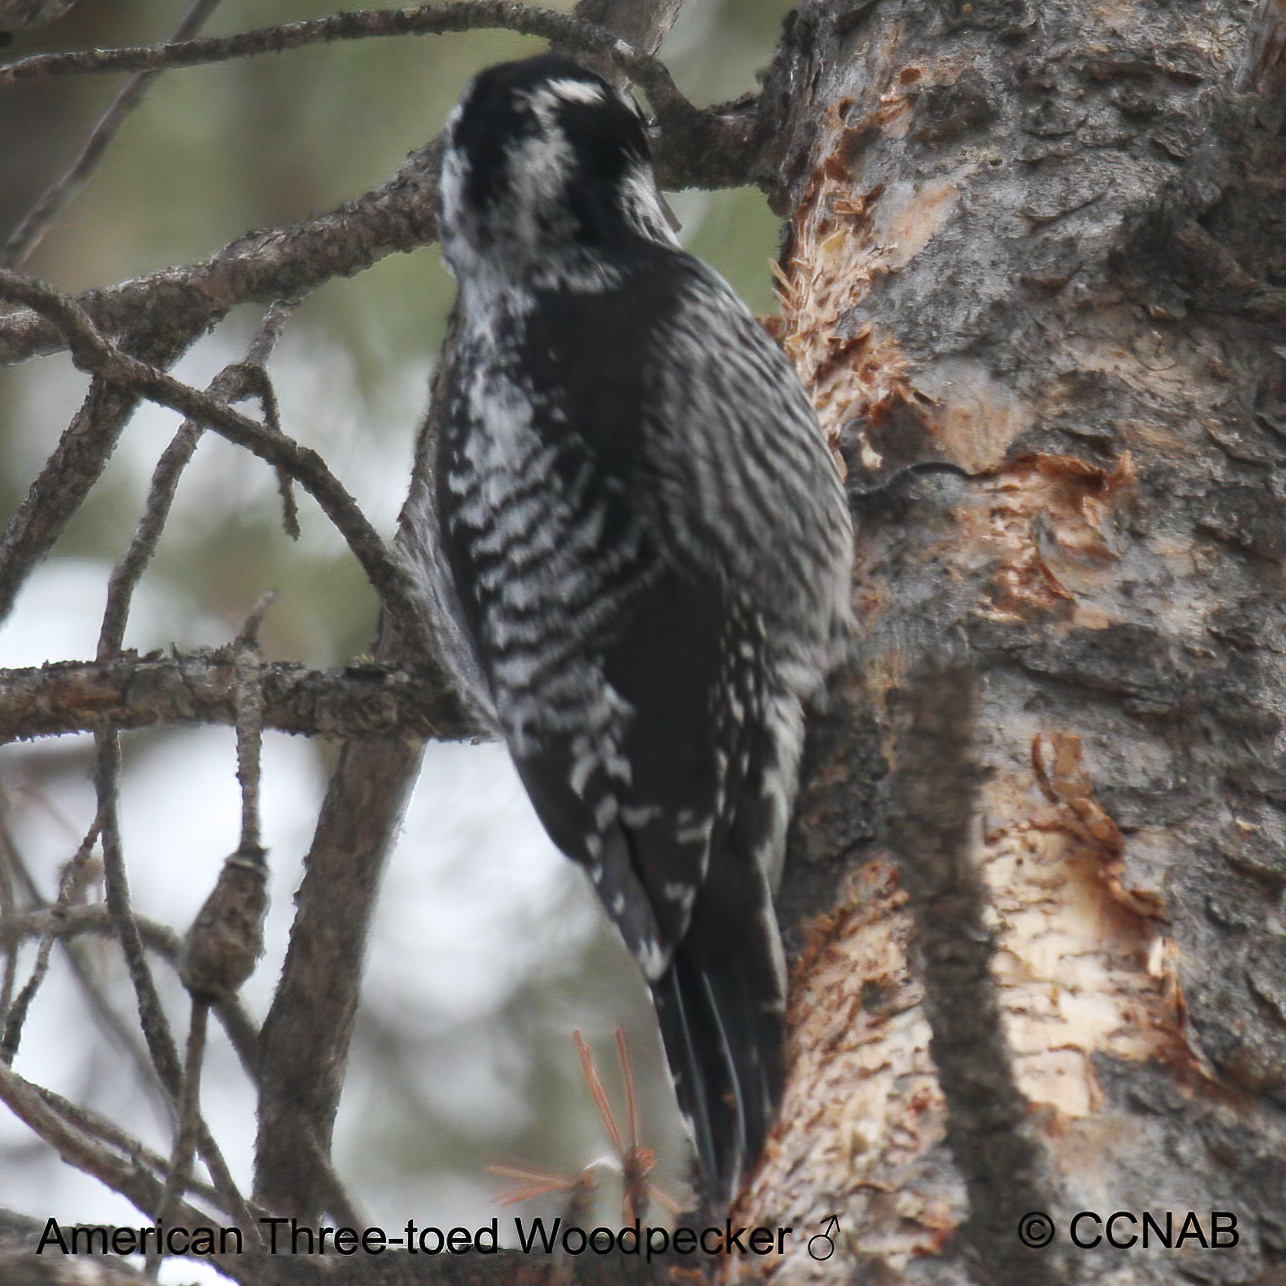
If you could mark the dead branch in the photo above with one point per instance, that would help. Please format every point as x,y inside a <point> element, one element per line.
<point>366,699</point>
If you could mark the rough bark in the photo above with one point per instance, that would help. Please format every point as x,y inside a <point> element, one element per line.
<point>1045,243</point>
<point>367,699</point>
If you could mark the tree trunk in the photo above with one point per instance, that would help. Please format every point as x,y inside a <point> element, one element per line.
<point>1036,879</point>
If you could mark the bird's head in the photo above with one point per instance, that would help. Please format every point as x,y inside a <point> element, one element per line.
<point>545,159</point>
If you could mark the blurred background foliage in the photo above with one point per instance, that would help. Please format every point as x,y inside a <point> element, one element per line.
<point>210,153</point>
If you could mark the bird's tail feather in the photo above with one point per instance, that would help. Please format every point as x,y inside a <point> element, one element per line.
<point>725,1055</point>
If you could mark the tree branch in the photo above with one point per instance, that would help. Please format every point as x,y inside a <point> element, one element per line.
<point>432,19</point>
<point>370,699</point>
<point>71,884</point>
<point>113,1024</point>
<point>304,1042</point>
<point>641,23</point>
<point>156,1028</point>
<point>459,15</point>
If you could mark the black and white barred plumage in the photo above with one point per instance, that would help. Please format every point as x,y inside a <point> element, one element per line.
<point>643,552</point>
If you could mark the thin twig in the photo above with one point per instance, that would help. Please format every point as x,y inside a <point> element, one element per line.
<point>672,108</point>
<point>432,19</point>
<point>258,383</point>
<point>230,385</point>
<point>230,1194</point>
<point>63,922</point>
<point>156,1029</point>
<point>185,1137</point>
<point>76,1143</point>
<point>460,15</point>
<point>8,943</point>
<point>68,887</point>
<point>249,723</point>
<point>59,195</point>
<point>129,569</point>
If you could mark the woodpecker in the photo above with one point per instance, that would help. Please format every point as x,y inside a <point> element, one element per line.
<point>639,554</point>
